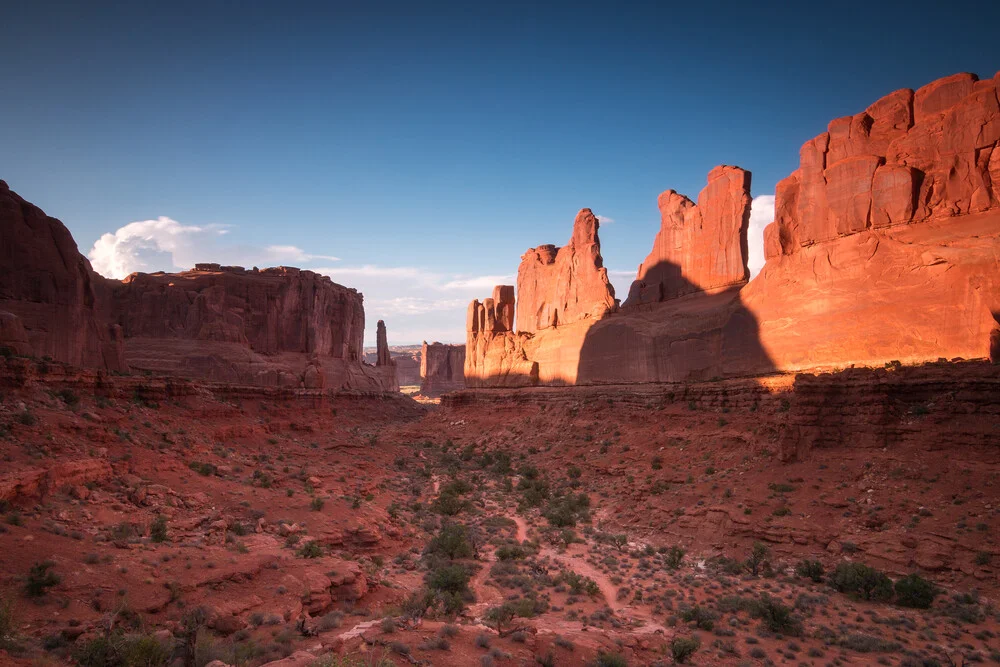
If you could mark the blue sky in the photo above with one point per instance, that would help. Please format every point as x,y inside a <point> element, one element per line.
<point>415,150</point>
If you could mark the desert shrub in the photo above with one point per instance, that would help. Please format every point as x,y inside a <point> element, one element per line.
<point>534,489</point>
<point>310,549</point>
<point>862,643</point>
<point>862,581</point>
<point>674,557</point>
<point>204,469</point>
<point>449,504</point>
<point>316,504</point>
<point>40,579</point>
<point>120,650</point>
<point>578,584</point>
<point>607,659</point>
<point>26,418</point>
<point>682,648</point>
<point>451,542</point>
<point>776,617</point>
<point>567,510</point>
<point>703,618</point>
<point>449,579</point>
<point>810,569</point>
<point>915,591</point>
<point>758,557</point>
<point>158,529</point>
<point>510,552</point>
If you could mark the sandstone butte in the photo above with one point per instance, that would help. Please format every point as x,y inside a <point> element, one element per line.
<point>883,248</point>
<point>442,368</point>
<point>278,327</point>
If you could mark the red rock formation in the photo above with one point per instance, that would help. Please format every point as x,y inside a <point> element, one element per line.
<point>407,367</point>
<point>265,327</point>
<point>13,337</point>
<point>909,157</point>
<point>442,368</point>
<point>699,246</point>
<point>884,247</point>
<point>557,286</point>
<point>275,327</point>
<point>382,356</point>
<point>52,289</point>
<point>494,353</point>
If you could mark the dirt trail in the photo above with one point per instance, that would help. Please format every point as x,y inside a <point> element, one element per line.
<point>580,566</point>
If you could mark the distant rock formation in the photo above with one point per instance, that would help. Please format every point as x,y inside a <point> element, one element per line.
<point>557,286</point>
<point>273,327</point>
<point>442,368</point>
<point>382,356</point>
<point>494,353</point>
<point>699,246</point>
<point>408,367</point>
<point>884,248</point>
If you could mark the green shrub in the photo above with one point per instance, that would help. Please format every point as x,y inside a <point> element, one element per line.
<point>40,579</point>
<point>311,549</point>
<point>915,591</point>
<point>810,569</point>
<point>511,552</point>
<point>683,648</point>
<point>158,529</point>
<point>758,557</point>
<point>451,542</point>
<point>703,618</point>
<point>121,650</point>
<point>862,581</point>
<point>606,659</point>
<point>777,617</point>
<point>675,555</point>
<point>567,510</point>
<point>449,578</point>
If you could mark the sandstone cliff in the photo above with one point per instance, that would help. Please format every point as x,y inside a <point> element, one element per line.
<point>49,291</point>
<point>557,286</point>
<point>699,246</point>
<point>883,248</point>
<point>273,327</point>
<point>442,368</point>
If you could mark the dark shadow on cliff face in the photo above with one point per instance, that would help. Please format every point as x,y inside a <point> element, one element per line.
<point>699,336</point>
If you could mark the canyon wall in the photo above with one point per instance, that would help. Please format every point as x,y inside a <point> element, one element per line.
<point>272,327</point>
<point>442,368</point>
<point>883,248</point>
<point>50,297</point>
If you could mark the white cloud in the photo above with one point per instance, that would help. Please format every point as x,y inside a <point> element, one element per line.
<point>761,215</point>
<point>167,245</point>
<point>416,303</point>
<point>605,220</point>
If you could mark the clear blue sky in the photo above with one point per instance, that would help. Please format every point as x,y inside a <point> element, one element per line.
<point>429,141</point>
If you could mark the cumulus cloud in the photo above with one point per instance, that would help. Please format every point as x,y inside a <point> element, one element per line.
<point>165,244</point>
<point>416,303</point>
<point>761,215</point>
